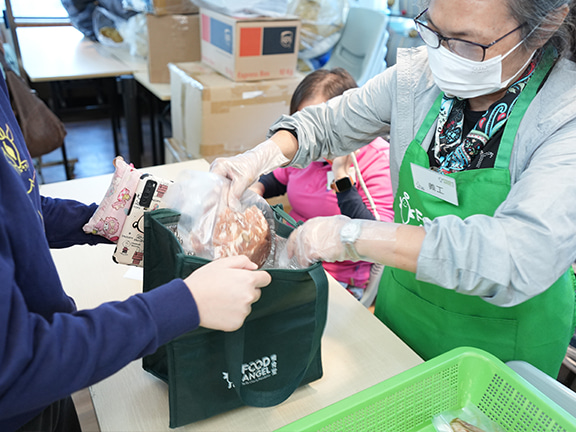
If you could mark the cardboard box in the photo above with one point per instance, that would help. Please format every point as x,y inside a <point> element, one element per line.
<point>161,7</point>
<point>171,39</point>
<point>250,49</point>
<point>175,152</point>
<point>213,116</point>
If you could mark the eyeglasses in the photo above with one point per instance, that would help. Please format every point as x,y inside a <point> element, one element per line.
<point>469,50</point>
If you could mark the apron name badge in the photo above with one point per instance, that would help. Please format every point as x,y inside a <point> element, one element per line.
<point>435,184</point>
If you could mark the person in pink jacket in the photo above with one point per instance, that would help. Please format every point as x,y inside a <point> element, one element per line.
<point>331,187</point>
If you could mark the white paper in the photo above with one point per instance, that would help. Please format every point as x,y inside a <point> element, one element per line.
<point>136,273</point>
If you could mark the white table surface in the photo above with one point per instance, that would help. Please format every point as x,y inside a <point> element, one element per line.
<point>357,349</point>
<point>161,90</point>
<point>53,53</point>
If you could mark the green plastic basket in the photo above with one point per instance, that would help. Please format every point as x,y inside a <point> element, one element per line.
<point>408,401</point>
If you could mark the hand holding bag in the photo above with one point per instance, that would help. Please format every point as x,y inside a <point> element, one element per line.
<point>261,364</point>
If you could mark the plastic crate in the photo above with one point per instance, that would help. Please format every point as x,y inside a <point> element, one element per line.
<point>408,401</point>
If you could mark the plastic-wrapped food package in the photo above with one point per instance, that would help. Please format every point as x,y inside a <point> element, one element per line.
<point>322,24</point>
<point>106,26</point>
<point>467,419</point>
<point>81,13</point>
<point>209,228</point>
<point>112,30</point>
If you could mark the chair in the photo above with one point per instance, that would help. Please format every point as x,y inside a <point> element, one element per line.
<point>361,49</point>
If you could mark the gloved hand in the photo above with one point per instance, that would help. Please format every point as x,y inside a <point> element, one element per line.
<point>224,291</point>
<point>245,168</point>
<point>320,239</point>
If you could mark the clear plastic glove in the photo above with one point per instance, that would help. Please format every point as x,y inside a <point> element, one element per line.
<point>224,291</point>
<point>320,239</point>
<point>244,169</point>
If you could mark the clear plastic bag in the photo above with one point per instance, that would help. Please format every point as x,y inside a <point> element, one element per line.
<point>135,34</point>
<point>246,8</point>
<point>467,419</point>
<point>106,28</point>
<point>322,24</point>
<point>201,200</point>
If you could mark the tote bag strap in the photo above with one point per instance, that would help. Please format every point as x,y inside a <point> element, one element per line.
<point>235,352</point>
<point>284,229</point>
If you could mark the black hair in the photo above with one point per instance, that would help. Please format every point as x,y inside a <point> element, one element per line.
<point>327,82</point>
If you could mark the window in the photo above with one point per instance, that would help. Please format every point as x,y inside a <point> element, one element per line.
<point>34,9</point>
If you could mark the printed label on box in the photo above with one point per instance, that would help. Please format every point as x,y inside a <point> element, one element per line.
<point>221,35</point>
<point>278,40</point>
<point>250,41</point>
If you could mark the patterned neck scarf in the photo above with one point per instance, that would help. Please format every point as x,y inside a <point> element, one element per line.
<point>452,153</point>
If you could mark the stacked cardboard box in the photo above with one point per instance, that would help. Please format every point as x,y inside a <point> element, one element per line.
<point>225,104</point>
<point>161,7</point>
<point>171,38</point>
<point>213,116</point>
<point>173,34</point>
<point>250,49</point>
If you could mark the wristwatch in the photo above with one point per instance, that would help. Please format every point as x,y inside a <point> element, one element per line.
<point>348,236</point>
<point>342,184</point>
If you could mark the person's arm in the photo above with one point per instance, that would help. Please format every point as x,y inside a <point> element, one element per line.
<point>391,244</point>
<point>343,124</point>
<point>351,205</point>
<point>339,126</point>
<point>43,359</point>
<point>271,187</point>
<point>528,243</point>
<point>506,259</point>
<point>63,222</point>
<point>374,164</point>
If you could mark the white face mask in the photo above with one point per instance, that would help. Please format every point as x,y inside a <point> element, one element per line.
<point>466,79</point>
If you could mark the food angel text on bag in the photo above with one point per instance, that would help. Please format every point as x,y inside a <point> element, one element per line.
<point>259,369</point>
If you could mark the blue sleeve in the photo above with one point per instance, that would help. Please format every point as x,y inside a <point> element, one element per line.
<point>43,360</point>
<point>351,205</point>
<point>272,187</point>
<point>63,222</point>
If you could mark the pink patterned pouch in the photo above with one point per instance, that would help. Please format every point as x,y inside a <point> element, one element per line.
<point>108,220</point>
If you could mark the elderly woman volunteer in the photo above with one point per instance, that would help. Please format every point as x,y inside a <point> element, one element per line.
<point>483,155</point>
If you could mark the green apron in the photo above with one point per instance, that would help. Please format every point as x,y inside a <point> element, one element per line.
<point>432,319</point>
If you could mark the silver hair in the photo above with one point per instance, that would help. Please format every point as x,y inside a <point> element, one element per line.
<point>537,14</point>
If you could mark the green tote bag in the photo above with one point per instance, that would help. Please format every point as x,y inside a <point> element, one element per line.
<point>261,364</point>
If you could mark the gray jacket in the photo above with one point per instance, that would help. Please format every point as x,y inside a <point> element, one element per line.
<point>531,239</point>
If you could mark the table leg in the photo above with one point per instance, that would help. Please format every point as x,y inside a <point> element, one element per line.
<point>112,90</point>
<point>129,89</point>
<point>153,136</point>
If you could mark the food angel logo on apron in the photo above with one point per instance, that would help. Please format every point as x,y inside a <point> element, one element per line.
<point>407,213</point>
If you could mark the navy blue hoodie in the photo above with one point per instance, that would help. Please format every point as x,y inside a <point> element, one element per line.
<point>48,350</point>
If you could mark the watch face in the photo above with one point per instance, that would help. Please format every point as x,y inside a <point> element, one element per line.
<point>343,184</point>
